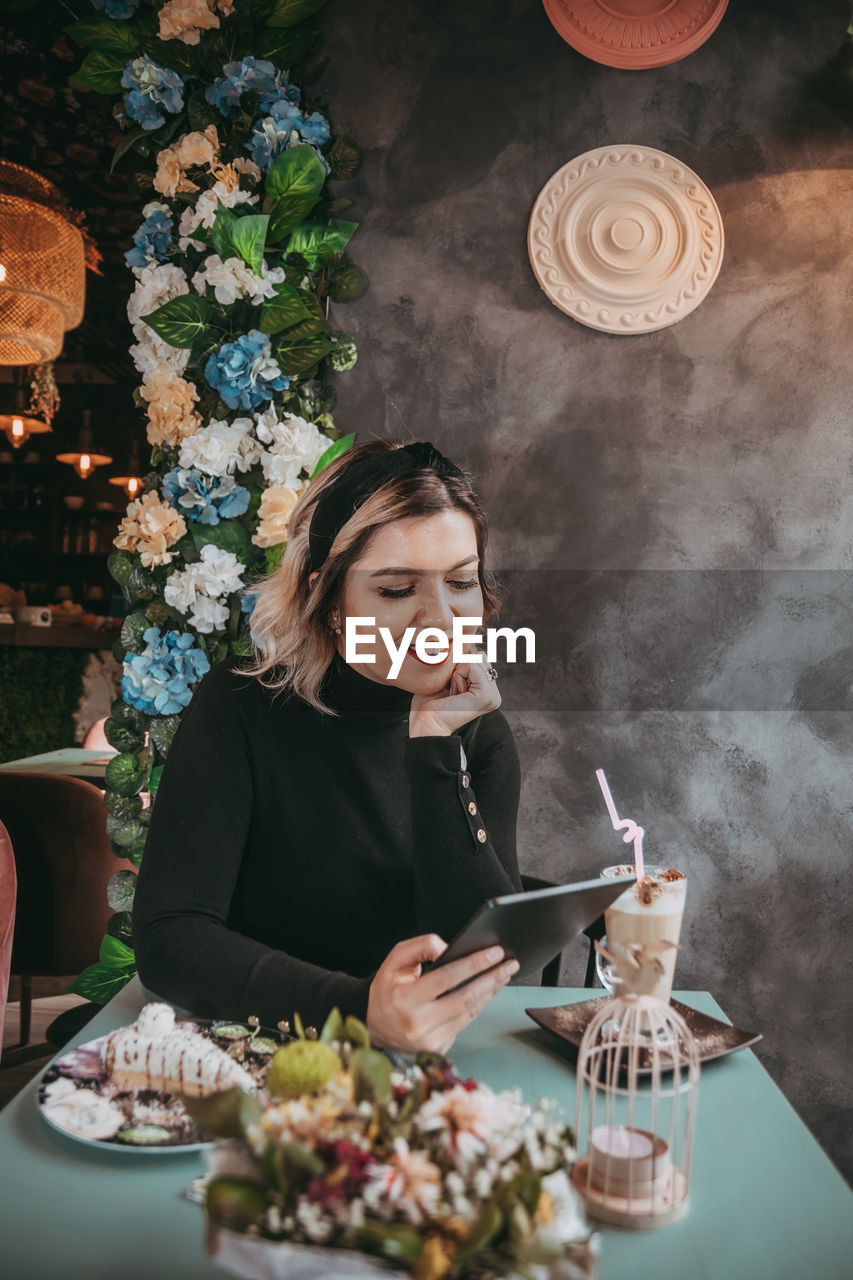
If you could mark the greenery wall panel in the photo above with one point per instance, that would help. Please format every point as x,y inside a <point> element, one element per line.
<point>39,693</point>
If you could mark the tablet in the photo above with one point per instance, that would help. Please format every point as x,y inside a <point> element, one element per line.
<point>534,927</point>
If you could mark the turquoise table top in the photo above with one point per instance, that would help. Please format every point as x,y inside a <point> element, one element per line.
<point>72,762</point>
<point>766,1203</point>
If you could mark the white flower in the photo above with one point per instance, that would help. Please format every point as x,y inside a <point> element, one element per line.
<point>209,615</point>
<point>198,590</point>
<point>204,213</point>
<point>220,448</point>
<point>410,1183</point>
<point>476,1123</point>
<point>155,285</point>
<point>568,1221</point>
<point>293,443</point>
<point>153,353</point>
<point>233,279</point>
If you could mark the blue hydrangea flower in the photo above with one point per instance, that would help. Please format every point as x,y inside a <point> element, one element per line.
<point>250,73</point>
<point>248,600</point>
<point>151,243</point>
<point>150,88</point>
<point>286,126</point>
<point>120,9</point>
<point>244,372</point>
<point>157,681</point>
<point>205,498</point>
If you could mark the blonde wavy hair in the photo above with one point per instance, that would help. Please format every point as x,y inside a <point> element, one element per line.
<point>293,644</point>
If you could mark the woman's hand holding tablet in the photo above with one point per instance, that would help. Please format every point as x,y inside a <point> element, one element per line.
<point>410,1010</point>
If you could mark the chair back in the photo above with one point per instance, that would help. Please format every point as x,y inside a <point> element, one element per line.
<point>63,859</point>
<point>8,891</point>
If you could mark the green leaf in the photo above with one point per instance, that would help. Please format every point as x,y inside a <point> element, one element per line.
<point>181,321</point>
<point>115,952</point>
<point>141,585</point>
<point>397,1240</point>
<point>227,1114</point>
<point>120,566</point>
<point>228,534</point>
<point>348,283</point>
<point>285,47</point>
<point>318,241</point>
<point>100,982</point>
<point>234,1203</point>
<point>220,232</point>
<point>286,13</point>
<point>132,629</point>
<point>296,357</point>
<point>120,891</point>
<point>101,72</point>
<point>162,730</point>
<point>273,557</point>
<point>122,806</point>
<point>334,451</point>
<point>486,1227</point>
<point>283,311</point>
<point>154,779</point>
<point>371,1072</point>
<point>356,1032</point>
<point>293,188</point>
<point>344,159</point>
<point>130,138</point>
<point>119,926</point>
<point>123,736</point>
<point>125,774</point>
<point>104,34</point>
<point>333,1027</point>
<point>120,710</point>
<point>248,236</point>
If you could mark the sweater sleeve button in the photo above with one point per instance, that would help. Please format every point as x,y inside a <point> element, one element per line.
<point>481,836</point>
<point>465,780</point>
<point>472,808</point>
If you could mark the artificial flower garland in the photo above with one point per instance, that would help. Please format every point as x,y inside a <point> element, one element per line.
<point>238,250</point>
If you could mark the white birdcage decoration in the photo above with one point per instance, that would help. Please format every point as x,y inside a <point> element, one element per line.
<point>637,1091</point>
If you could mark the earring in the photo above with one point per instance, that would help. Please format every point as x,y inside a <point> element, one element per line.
<point>336,630</point>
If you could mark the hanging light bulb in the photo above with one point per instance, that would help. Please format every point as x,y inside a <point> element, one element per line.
<point>132,482</point>
<point>84,459</point>
<point>20,422</point>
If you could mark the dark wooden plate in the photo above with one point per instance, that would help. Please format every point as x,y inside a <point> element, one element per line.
<point>714,1039</point>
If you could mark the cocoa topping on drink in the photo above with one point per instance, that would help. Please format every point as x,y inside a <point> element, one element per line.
<point>670,876</point>
<point>648,890</point>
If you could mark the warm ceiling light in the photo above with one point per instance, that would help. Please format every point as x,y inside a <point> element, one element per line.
<point>43,276</point>
<point>20,422</point>
<point>84,459</point>
<point>131,483</point>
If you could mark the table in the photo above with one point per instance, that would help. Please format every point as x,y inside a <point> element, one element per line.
<point>71,762</point>
<point>767,1204</point>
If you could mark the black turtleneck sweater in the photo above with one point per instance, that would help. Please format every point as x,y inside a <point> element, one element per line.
<point>289,851</point>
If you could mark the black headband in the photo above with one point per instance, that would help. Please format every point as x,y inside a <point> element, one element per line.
<point>341,499</point>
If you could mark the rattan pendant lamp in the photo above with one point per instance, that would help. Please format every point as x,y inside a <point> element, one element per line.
<point>42,268</point>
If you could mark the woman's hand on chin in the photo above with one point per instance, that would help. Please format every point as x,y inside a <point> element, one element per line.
<point>410,1010</point>
<point>469,693</point>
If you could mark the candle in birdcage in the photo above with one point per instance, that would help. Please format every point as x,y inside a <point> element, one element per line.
<point>622,1158</point>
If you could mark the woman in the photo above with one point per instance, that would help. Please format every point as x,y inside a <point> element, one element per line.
<point>322,830</point>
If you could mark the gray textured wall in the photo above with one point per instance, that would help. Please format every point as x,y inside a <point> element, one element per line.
<point>672,511</point>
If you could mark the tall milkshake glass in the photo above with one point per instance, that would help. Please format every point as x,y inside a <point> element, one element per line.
<point>649,911</point>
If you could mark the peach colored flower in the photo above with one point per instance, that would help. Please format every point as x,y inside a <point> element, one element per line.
<point>277,503</point>
<point>171,412</point>
<point>190,151</point>
<point>186,19</point>
<point>229,174</point>
<point>150,527</point>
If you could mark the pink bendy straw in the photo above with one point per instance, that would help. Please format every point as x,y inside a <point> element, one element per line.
<point>632,831</point>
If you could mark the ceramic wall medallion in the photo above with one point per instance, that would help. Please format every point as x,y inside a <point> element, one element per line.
<point>635,34</point>
<point>625,239</point>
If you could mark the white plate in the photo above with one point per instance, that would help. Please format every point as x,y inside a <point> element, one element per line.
<point>80,1067</point>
